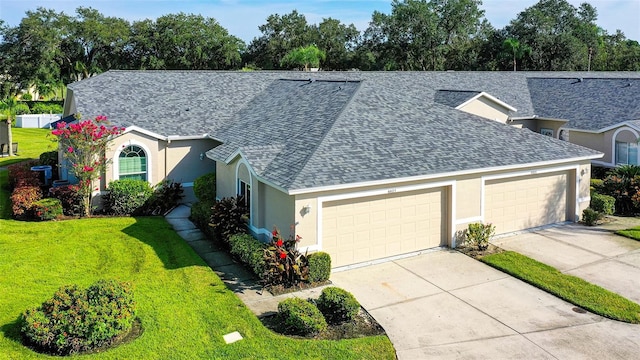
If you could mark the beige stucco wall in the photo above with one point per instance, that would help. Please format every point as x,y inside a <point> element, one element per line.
<point>487,109</point>
<point>536,125</point>
<point>468,198</point>
<point>269,206</point>
<point>151,145</point>
<point>183,159</point>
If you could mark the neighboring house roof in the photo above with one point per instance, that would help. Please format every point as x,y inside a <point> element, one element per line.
<point>589,104</point>
<point>341,128</point>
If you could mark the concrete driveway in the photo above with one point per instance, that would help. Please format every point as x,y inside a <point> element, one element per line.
<point>594,254</point>
<point>446,305</point>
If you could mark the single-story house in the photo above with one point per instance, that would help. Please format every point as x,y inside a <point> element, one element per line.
<point>362,165</point>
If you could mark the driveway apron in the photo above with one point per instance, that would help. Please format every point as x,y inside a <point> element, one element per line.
<point>595,255</point>
<point>444,304</point>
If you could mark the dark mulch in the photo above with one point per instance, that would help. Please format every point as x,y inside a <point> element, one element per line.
<point>276,290</point>
<point>363,325</point>
<point>473,251</point>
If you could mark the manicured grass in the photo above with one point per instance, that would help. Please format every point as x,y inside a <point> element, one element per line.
<point>185,309</point>
<point>31,143</point>
<point>570,288</point>
<point>5,202</point>
<point>633,233</point>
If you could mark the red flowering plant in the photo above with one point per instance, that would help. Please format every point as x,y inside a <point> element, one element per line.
<point>83,145</point>
<point>285,265</point>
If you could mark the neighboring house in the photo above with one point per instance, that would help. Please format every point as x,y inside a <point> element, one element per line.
<point>363,165</point>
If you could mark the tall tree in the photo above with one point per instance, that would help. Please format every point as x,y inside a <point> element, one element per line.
<point>420,34</point>
<point>306,57</point>
<point>280,35</point>
<point>183,41</point>
<point>338,42</point>
<point>516,49</point>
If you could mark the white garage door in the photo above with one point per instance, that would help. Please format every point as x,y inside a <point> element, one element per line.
<point>519,203</point>
<point>368,228</point>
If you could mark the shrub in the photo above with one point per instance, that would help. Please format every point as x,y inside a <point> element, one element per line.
<point>201,215</point>
<point>596,185</point>
<point>20,175</point>
<point>337,305</point>
<point>625,190</point>
<point>47,209</point>
<point>23,199</point>
<point>49,158</point>
<point>204,187</point>
<point>300,317</point>
<point>250,251</point>
<point>228,217</point>
<point>26,97</point>
<point>21,109</point>
<point>604,204</point>
<point>166,195</point>
<point>319,266</point>
<point>77,320</point>
<point>284,263</point>
<point>70,198</point>
<point>127,196</point>
<point>478,234</point>
<point>46,108</point>
<point>590,217</point>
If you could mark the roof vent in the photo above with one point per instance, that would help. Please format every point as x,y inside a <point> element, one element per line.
<point>578,80</point>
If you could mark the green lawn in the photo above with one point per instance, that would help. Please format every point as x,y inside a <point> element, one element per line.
<point>184,307</point>
<point>633,233</point>
<point>570,288</point>
<point>31,143</point>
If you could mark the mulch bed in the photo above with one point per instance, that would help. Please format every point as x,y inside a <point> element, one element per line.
<point>276,290</point>
<point>473,251</point>
<point>363,325</point>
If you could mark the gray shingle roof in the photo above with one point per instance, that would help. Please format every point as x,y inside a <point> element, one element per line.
<point>453,98</point>
<point>346,127</point>
<point>588,103</point>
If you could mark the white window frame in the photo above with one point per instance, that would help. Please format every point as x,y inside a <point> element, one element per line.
<point>124,145</point>
<point>628,147</point>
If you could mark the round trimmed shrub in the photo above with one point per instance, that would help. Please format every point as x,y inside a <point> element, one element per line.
<point>47,209</point>
<point>337,305</point>
<point>604,204</point>
<point>76,320</point>
<point>21,109</point>
<point>127,196</point>
<point>300,317</point>
<point>204,187</point>
<point>319,266</point>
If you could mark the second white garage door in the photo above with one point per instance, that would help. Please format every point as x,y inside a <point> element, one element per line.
<point>368,228</point>
<point>513,204</point>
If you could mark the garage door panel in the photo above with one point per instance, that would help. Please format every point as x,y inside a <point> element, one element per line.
<point>513,204</point>
<point>363,229</point>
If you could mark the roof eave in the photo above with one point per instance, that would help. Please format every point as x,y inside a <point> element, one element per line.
<point>440,175</point>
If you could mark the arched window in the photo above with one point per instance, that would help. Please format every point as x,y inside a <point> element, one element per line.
<point>132,163</point>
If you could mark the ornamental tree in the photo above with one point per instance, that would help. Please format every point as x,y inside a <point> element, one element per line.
<point>83,145</point>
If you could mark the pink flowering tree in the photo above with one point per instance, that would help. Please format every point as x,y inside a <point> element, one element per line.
<point>84,146</point>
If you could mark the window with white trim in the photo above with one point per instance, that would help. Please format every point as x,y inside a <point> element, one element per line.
<point>626,153</point>
<point>132,163</point>
<point>244,191</point>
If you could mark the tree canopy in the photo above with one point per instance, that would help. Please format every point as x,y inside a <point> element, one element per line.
<point>48,49</point>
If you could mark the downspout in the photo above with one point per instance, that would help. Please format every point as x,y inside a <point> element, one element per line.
<point>166,158</point>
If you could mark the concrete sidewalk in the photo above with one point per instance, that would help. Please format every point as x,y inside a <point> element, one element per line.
<point>594,254</point>
<point>241,281</point>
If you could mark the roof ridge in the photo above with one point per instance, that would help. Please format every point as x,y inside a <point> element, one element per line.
<point>321,141</point>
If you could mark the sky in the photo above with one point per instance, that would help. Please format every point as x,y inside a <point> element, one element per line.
<point>242,17</point>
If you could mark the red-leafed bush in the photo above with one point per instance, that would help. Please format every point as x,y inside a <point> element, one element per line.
<point>71,199</point>
<point>46,209</point>
<point>23,199</point>
<point>20,175</point>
